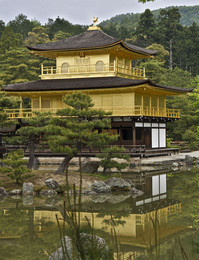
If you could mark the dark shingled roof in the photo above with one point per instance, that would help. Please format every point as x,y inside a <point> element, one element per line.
<point>88,40</point>
<point>84,83</point>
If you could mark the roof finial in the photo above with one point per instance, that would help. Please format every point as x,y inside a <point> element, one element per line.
<point>94,26</point>
<point>95,20</point>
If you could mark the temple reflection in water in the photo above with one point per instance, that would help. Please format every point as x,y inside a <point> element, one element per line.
<point>133,218</point>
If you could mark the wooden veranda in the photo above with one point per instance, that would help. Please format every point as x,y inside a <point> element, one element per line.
<point>131,150</point>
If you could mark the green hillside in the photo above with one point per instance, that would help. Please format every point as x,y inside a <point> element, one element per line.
<point>189,14</point>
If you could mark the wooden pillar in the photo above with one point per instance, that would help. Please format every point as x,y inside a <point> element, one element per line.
<point>21,106</point>
<point>134,135</point>
<point>165,106</point>
<point>158,105</point>
<point>150,110</point>
<point>121,137</point>
<point>40,103</point>
<point>142,103</point>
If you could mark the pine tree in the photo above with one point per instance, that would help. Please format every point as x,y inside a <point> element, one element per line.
<point>15,166</point>
<point>109,155</point>
<point>33,133</point>
<point>78,126</point>
<point>37,36</point>
<point>146,27</point>
<point>9,40</point>
<point>6,102</point>
<point>169,24</point>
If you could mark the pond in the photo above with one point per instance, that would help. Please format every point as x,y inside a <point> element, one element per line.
<point>163,223</point>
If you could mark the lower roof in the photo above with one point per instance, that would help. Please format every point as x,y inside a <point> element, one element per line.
<point>85,83</point>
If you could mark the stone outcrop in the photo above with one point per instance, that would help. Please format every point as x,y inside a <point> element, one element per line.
<point>90,166</point>
<point>15,192</point>
<point>28,189</point>
<point>28,200</point>
<point>189,160</point>
<point>3,192</point>
<point>100,187</point>
<point>118,184</point>
<point>52,184</point>
<point>135,192</point>
<point>94,247</point>
<point>49,193</point>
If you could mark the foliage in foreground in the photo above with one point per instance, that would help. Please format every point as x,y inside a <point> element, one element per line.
<point>32,133</point>
<point>109,158</point>
<point>15,166</point>
<point>78,127</point>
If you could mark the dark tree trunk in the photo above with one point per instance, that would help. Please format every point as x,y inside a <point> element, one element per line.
<point>63,165</point>
<point>171,54</point>
<point>31,154</point>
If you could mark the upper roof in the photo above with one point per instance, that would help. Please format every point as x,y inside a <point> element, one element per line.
<point>91,39</point>
<point>86,83</point>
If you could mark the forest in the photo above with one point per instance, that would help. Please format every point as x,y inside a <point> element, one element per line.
<point>167,30</point>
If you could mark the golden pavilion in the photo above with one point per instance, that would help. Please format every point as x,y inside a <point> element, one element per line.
<point>101,66</point>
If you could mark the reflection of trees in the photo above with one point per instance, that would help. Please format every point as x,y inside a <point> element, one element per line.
<point>184,186</point>
<point>20,238</point>
<point>14,222</point>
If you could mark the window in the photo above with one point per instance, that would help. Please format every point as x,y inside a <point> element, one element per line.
<point>65,67</point>
<point>161,101</point>
<point>35,103</point>
<point>138,100</point>
<point>127,133</point>
<point>139,134</point>
<point>45,103</point>
<point>99,65</point>
<point>146,100</point>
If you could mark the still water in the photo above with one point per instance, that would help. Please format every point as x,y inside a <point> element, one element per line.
<point>163,223</point>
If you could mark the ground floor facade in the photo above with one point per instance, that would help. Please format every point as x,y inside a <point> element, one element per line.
<point>139,131</point>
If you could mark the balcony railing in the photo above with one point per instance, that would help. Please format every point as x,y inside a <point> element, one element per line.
<point>87,70</point>
<point>136,111</point>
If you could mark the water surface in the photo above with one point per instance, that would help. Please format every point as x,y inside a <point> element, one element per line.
<point>163,223</point>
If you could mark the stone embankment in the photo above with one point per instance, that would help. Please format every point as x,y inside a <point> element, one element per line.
<point>91,165</point>
<point>113,189</point>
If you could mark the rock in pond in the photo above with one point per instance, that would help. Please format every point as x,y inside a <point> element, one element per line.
<point>94,247</point>
<point>49,193</point>
<point>52,184</point>
<point>175,165</point>
<point>135,192</point>
<point>118,184</point>
<point>3,192</point>
<point>118,198</point>
<point>15,192</point>
<point>100,187</point>
<point>99,198</point>
<point>28,189</point>
<point>28,200</point>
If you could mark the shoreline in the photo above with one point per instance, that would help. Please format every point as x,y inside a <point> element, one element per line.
<point>135,165</point>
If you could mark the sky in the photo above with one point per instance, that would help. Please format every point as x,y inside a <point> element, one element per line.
<point>80,11</point>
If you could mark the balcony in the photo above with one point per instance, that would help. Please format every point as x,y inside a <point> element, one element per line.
<point>136,111</point>
<point>91,70</point>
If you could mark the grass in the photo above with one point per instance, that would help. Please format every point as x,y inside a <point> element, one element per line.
<point>39,176</point>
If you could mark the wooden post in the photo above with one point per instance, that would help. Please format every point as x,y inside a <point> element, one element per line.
<point>134,135</point>
<point>142,102</point>
<point>114,68</point>
<point>21,107</point>
<point>150,110</point>
<point>165,106</point>
<point>40,103</point>
<point>158,105</point>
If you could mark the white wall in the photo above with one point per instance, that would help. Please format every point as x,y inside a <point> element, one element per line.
<point>158,137</point>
